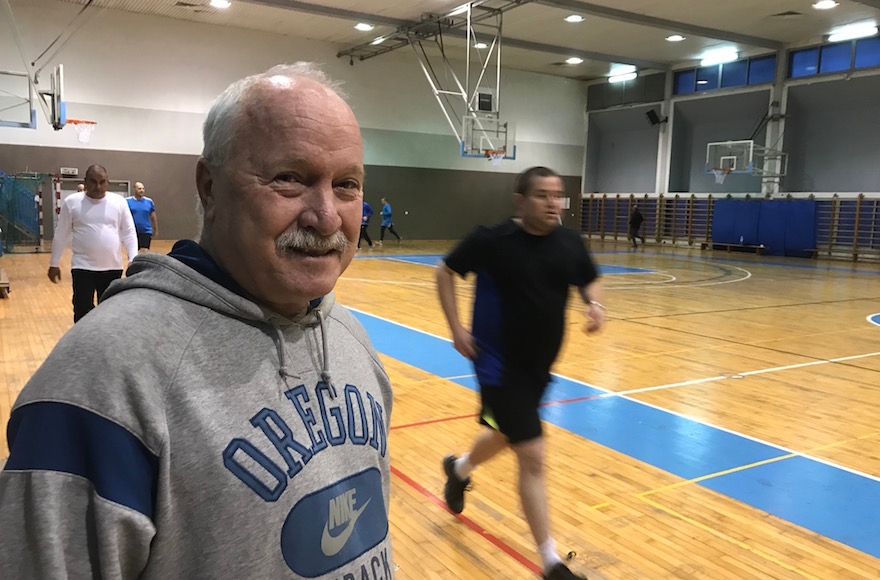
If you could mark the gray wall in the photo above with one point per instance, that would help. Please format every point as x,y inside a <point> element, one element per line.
<point>832,136</point>
<point>441,203</point>
<point>718,118</point>
<point>624,153</point>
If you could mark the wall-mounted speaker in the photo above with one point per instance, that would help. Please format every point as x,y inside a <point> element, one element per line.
<point>653,117</point>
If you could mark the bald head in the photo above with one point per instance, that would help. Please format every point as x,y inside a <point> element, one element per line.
<point>138,189</point>
<point>224,120</point>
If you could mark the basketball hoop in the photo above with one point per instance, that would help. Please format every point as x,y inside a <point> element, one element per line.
<point>495,156</point>
<point>721,174</point>
<point>84,129</point>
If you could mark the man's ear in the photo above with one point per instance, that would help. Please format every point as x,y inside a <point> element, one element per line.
<point>205,187</point>
<point>518,200</point>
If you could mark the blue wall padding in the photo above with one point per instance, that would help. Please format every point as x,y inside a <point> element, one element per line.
<point>785,227</point>
<point>800,230</point>
<point>733,219</point>
<point>772,227</point>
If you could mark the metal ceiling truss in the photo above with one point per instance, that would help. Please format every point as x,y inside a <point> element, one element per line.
<point>456,98</point>
<point>458,23</point>
<point>670,25</point>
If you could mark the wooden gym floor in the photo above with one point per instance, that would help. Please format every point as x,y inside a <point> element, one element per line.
<point>726,424</point>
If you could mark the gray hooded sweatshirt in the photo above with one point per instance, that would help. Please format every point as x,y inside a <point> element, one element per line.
<point>181,430</point>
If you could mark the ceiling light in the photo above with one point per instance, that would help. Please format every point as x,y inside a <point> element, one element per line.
<point>574,18</point>
<point>825,4</point>
<point>378,40</point>
<point>702,82</point>
<point>481,45</point>
<point>623,77</point>
<point>574,60</point>
<point>719,56</point>
<point>675,38</point>
<point>851,31</point>
<point>363,26</point>
<point>221,3</point>
<point>621,69</point>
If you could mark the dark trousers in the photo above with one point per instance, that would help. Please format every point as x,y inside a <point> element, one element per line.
<point>87,283</point>
<point>390,229</point>
<point>634,233</point>
<point>364,236</point>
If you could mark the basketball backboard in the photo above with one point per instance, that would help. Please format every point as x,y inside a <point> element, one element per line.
<point>735,156</point>
<point>745,157</point>
<point>17,107</point>
<point>57,104</point>
<point>483,136</point>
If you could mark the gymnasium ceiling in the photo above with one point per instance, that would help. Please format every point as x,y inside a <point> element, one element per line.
<point>536,38</point>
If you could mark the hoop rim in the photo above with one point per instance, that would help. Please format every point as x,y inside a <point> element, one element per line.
<point>490,153</point>
<point>79,122</point>
<point>726,170</point>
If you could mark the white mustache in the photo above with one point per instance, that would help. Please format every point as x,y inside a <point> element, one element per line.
<point>308,241</point>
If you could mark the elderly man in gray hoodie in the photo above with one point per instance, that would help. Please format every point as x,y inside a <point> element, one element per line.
<point>250,439</point>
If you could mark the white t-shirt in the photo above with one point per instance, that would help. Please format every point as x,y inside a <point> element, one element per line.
<point>94,228</point>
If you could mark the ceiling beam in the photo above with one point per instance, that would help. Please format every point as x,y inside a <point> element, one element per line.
<point>356,16</point>
<point>670,25</point>
<point>342,13</point>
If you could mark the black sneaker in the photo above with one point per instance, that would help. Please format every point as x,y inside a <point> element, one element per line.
<point>453,491</point>
<point>561,572</point>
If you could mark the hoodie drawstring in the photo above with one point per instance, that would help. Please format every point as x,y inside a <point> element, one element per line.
<point>325,355</point>
<point>279,344</point>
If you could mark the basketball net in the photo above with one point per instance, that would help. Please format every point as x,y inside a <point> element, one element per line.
<point>84,129</point>
<point>495,157</point>
<point>720,174</point>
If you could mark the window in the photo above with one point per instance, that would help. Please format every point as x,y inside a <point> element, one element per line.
<point>835,57</point>
<point>708,77</point>
<point>762,70</point>
<point>803,63</point>
<point>685,82</point>
<point>733,74</point>
<point>868,52</point>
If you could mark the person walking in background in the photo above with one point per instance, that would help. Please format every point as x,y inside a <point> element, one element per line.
<point>525,267</point>
<point>365,223</point>
<point>143,211</point>
<point>635,224</point>
<point>387,222</point>
<point>95,223</point>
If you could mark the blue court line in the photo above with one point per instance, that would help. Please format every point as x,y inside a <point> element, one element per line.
<point>433,259</point>
<point>815,267</point>
<point>829,500</point>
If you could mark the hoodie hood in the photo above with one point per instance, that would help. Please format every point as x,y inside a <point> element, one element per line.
<point>190,274</point>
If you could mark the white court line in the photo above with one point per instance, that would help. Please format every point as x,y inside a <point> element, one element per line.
<point>747,275</point>
<point>745,374</point>
<point>622,395</point>
<point>459,377</point>
<point>381,281</point>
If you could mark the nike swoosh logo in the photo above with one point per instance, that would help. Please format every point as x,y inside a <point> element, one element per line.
<point>332,545</point>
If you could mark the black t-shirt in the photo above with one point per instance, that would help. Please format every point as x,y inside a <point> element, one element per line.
<point>522,288</point>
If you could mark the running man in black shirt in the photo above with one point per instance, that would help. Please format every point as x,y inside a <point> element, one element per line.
<point>524,269</point>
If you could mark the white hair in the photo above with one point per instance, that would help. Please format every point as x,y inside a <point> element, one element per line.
<point>221,124</point>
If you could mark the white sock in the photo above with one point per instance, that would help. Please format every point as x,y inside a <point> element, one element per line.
<point>548,554</point>
<point>463,467</point>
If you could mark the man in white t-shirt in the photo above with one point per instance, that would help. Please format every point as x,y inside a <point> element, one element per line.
<point>94,223</point>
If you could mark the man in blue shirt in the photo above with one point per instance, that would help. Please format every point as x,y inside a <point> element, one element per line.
<point>365,222</point>
<point>143,210</point>
<point>387,222</point>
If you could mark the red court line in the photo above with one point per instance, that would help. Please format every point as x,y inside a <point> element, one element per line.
<point>470,523</point>
<point>430,421</point>
<point>473,415</point>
